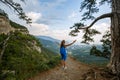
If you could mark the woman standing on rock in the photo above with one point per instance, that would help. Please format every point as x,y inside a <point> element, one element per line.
<point>63,52</point>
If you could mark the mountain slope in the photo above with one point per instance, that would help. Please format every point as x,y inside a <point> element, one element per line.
<point>48,38</point>
<point>23,55</point>
<point>82,53</point>
<point>49,43</point>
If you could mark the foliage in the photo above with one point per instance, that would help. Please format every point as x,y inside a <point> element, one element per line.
<point>76,30</point>
<point>106,46</point>
<point>3,36</point>
<point>90,7</point>
<point>20,60</point>
<point>95,51</point>
<point>88,35</point>
<point>17,26</point>
<point>17,8</point>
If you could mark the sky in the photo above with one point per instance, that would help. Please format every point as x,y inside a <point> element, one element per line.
<point>55,17</point>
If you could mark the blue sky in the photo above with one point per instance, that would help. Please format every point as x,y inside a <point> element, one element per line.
<point>56,12</point>
<point>54,18</point>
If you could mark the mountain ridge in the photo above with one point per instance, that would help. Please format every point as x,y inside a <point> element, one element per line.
<point>49,43</point>
<point>80,52</point>
<point>48,38</point>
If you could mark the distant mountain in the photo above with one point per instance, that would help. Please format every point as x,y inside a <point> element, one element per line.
<point>48,38</point>
<point>49,43</point>
<point>82,53</point>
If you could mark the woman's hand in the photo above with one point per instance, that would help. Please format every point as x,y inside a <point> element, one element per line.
<point>74,41</point>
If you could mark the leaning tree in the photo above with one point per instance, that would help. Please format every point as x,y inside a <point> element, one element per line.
<point>17,8</point>
<point>91,7</point>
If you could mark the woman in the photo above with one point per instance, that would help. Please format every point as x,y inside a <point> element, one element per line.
<point>63,52</point>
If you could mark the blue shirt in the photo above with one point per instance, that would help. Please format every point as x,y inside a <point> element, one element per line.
<point>63,50</point>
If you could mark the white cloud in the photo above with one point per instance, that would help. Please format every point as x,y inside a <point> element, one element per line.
<point>72,15</point>
<point>64,35</point>
<point>34,16</point>
<point>60,34</point>
<point>102,27</point>
<point>38,29</point>
<point>42,29</point>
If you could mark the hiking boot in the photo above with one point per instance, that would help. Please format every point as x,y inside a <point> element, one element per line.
<point>65,68</point>
<point>62,67</point>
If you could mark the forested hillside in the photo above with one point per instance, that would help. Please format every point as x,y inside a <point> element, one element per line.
<point>22,55</point>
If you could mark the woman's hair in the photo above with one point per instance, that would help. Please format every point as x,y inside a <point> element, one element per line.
<point>62,43</point>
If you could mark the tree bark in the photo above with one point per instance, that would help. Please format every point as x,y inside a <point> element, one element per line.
<point>115,38</point>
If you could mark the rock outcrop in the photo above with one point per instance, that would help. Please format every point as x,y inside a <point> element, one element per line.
<point>5,26</point>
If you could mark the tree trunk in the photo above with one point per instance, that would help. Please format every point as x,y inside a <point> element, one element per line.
<point>115,35</point>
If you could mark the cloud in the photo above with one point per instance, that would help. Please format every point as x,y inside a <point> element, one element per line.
<point>31,5</point>
<point>42,29</point>
<point>102,27</point>
<point>60,34</point>
<point>38,29</point>
<point>72,15</point>
<point>34,16</point>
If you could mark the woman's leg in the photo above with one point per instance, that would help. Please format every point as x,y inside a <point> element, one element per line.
<point>65,57</point>
<point>62,63</point>
<point>63,60</point>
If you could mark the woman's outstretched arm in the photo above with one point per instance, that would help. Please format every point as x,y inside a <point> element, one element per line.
<point>70,43</point>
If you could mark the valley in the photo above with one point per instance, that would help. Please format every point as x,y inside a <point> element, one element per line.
<point>80,52</point>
